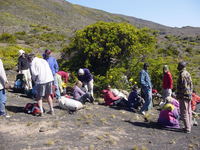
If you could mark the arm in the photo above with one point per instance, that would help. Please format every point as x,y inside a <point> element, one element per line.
<point>3,77</point>
<point>170,81</point>
<point>56,65</point>
<point>142,79</point>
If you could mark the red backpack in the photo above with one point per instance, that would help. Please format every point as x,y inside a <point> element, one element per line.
<point>32,108</point>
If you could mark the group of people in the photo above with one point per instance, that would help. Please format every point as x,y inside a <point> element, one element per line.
<point>41,74</point>
<point>175,107</point>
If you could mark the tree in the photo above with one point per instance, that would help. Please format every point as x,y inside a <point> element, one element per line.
<point>103,46</point>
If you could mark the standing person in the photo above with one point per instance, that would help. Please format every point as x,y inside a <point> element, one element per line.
<point>3,82</point>
<point>42,76</point>
<point>167,84</point>
<point>23,68</point>
<point>86,78</point>
<point>54,68</point>
<point>146,88</point>
<point>184,95</point>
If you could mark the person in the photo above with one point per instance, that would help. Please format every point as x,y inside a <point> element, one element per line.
<point>62,78</point>
<point>43,78</point>
<point>80,95</point>
<point>169,116</point>
<point>195,101</point>
<point>112,100</point>
<point>184,95</point>
<point>174,102</point>
<point>86,78</point>
<point>53,64</point>
<point>146,88</point>
<point>3,98</point>
<point>134,99</point>
<point>23,68</point>
<point>167,84</point>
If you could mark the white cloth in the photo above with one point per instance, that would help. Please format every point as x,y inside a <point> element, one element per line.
<point>3,78</point>
<point>41,72</point>
<point>28,81</point>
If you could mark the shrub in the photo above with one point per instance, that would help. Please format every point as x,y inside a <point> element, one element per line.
<point>7,38</point>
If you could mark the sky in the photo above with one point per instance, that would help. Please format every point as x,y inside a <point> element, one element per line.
<point>173,13</point>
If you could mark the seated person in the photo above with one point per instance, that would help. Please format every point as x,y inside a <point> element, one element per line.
<point>134,99</point>
<point>112,100</point>
<point>80,95</point>
<point>169,116</point>
<point>173,101</point>
<point>195,107</point>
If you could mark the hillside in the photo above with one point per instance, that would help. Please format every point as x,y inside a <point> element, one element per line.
<point>19,15</point>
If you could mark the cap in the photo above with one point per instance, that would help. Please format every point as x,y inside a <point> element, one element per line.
<point>81,71</point>
<point>21,51</point>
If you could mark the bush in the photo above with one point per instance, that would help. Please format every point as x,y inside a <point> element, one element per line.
<point>7,38</point>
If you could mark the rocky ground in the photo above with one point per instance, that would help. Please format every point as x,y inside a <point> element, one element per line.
<point>96,127</point>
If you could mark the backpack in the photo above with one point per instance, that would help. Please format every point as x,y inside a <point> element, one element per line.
<point>32,108</point>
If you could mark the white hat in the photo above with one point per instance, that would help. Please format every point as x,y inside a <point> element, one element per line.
<point>21,51</point>
<point>81,71</point>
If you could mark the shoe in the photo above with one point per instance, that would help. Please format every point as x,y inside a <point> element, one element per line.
<point>186,131</point>
<point>143,113</point>
<point>51,112</point>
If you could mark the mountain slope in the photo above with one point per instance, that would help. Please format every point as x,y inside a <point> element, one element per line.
<point>60,14</point>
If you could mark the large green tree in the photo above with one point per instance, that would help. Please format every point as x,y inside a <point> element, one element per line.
<point>104,47</point>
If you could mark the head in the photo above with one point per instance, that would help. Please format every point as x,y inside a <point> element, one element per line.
<point>135,87</point>
<point>21,52</point>
<point>168,99</point>
<point>80,72</point>
<point>146,65</point>
<point>108,87</point>
<point>165,68</point>
<point>79,83</point>
<point>47,53</point>
<point>181,65</point>
<point>168,106</point>
<point>31,57</point>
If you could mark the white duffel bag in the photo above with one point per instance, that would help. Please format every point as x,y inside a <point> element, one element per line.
<point>69,104</point>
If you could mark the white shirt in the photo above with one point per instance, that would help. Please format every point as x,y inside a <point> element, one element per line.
<point>41,72</point>
<point>3,78</point>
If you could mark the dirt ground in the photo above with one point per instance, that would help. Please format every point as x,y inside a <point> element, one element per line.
<point>96,127</point>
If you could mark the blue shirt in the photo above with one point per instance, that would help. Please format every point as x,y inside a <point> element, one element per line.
<point>52,64</point>
<point>86,77</point>
<point>145,80</point>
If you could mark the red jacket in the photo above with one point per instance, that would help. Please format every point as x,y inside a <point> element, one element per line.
<point>195,100</point>
<point>109,97</point>
<point>167,81</point>
<point>64,75</point>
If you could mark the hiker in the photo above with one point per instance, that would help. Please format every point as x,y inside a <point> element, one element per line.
<point>62,78</point>
<point>23,68</point>
<point>3,82</point>
<point>167,84</point>
<point>43,78</point>
<point>174,102</point>
<point>194,103</point>
<point>112,100</point>
<point>169,116</point>
<point>135,101</point>
<point>80,95</point>
<point>86,78</point>
<point>54,68</point>
<point>184,95</point>
<point>146,88</point>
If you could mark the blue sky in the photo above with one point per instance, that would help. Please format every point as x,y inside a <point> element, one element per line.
<point>174,13</point>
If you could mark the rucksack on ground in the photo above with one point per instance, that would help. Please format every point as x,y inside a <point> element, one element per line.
<point>19,85</point>
<point>32,108</point>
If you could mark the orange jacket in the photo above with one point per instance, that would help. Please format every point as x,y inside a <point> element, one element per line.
<point>195,100</point>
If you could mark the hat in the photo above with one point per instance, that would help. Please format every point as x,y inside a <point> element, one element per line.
<point>21,51</point>
<point>81,71</point>
<point>165,68</point>
<point>168,106</point>
<point>47,51</point>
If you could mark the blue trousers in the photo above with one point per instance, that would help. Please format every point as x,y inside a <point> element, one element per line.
<point>2,102</point>
<point>147,98</point>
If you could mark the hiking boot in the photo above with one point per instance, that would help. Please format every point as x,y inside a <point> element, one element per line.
<point>51,112</point>
<point>186,131</point>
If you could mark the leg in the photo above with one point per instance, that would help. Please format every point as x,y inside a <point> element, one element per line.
<point>57,88</point>
<point>184,109</point>
<point>48,92</point>
<point>2,102</point>
<point>90,87</point>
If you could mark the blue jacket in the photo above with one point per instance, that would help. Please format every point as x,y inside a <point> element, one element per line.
<point>52,64</point>
<point>145,80</point>
<point>86,77</point>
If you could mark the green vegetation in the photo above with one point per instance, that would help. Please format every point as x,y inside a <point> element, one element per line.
<point>7,38</point>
